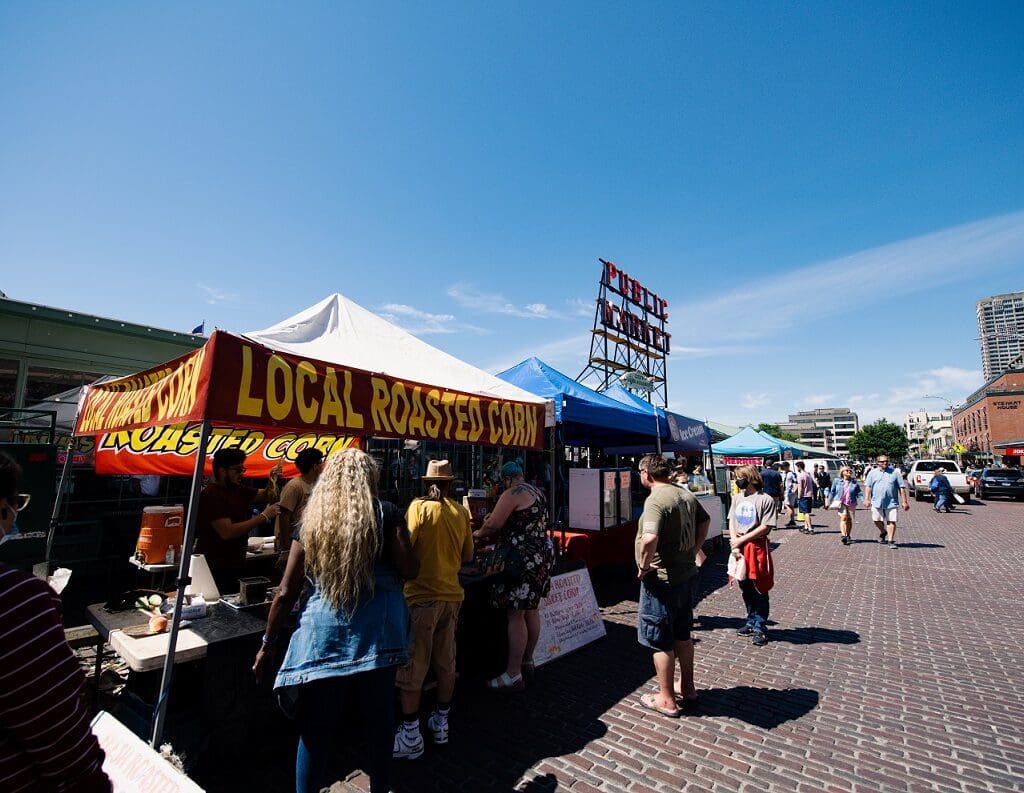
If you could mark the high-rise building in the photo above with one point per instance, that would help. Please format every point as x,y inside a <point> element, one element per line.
<point>827,429</point>
<point>1001,331</point>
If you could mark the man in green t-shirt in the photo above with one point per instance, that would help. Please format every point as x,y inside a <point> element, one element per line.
<point>672,529</point>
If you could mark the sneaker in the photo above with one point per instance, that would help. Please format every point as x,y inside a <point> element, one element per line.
<point>438,726</point>
<point>893,546</point>
<point>759,638</point>
<point>745,629</point>
<point>882,539</point>
<point>408,745</point>
<point>844,540</point>
<point>809,531</point>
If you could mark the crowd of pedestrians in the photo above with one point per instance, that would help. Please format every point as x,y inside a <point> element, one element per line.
<point>381,598</point>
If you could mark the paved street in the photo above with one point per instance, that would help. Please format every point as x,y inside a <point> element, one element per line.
<point>887,670</point>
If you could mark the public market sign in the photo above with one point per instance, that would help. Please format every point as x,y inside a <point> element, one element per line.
<point>640,327</point>
<point>233,382</point>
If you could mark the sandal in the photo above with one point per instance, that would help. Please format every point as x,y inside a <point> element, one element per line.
<point>505,682</point>
<point>649,702</point>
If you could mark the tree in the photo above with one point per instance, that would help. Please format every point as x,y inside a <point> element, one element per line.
<point>774,431</point>
<point>882,437</point>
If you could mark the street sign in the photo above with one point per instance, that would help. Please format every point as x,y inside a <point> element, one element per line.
<point>959,448</point>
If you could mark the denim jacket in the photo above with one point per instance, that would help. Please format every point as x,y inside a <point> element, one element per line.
<point>329,643</point>
<point>835,493</point>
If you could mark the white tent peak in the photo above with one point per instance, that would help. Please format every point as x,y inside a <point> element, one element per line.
<point>339,330</point>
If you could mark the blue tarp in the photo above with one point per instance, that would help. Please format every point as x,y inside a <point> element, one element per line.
<point>586,416</point>
<point>692,435</point>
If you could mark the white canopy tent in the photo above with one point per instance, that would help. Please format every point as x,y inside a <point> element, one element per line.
<point>336,329</point>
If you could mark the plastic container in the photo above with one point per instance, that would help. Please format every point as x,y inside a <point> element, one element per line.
<point>253,590</point>
<point>161,535</point>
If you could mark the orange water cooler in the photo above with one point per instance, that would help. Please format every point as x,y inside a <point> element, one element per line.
<point>161,535</point>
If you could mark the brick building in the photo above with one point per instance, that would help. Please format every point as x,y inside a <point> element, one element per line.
<point>992,415</point>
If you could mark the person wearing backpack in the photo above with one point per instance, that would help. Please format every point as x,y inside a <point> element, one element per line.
<point>823,482</point>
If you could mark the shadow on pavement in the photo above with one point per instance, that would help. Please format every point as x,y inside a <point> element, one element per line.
<point>811,635</point>
<point>805,635</point>
<point>498,738</point>
<point>762,707</point>
<point>919,544</point>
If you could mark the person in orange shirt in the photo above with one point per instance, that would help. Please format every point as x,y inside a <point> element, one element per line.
<point>442,542</point>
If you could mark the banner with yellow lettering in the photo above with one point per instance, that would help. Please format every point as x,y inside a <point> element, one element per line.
<point>237,383</point>
<point>172,450</point>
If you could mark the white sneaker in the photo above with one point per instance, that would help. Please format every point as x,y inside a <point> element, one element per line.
<point>438,724</point>
<point>408,745</point>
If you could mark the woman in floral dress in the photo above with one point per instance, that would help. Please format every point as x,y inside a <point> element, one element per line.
<point>520,518</point>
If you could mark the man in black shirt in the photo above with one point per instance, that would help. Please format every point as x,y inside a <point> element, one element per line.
<point>772,485</point>
<point>225,518</point>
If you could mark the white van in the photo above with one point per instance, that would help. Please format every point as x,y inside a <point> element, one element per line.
<point>832,466</point>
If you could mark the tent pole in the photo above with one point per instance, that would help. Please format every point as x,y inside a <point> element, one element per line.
<point>184,580</point>
<point>55,517</point>
<point>43,571</point>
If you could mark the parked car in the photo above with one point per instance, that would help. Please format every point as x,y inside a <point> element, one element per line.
<point>1007,482</point>
<point>922,471</point>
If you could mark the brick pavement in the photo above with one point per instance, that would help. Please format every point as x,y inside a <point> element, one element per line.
<point>887,670</point>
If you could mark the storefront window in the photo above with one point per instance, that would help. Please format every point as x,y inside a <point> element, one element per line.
<point>8,380</point>
<point>45,384</point>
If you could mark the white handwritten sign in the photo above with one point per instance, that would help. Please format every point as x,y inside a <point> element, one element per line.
<point>569,617</point>
<point>132,765</point>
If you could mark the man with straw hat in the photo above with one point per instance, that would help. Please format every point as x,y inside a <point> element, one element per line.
<point>443,542</point>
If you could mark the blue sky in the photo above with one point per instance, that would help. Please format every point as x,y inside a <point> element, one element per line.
<point>822,191</point>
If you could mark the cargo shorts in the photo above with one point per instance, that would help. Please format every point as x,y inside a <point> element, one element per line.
<point>433,643</point>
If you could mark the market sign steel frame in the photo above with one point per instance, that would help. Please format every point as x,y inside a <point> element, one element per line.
<point>630,335</point>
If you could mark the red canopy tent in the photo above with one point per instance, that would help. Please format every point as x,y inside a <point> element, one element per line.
<point>235,392</point>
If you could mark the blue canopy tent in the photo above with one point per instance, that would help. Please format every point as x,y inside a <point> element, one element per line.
<point>586,418</point>
<point>748,442</point>
<point>583,417</point>
<point>679,433</point>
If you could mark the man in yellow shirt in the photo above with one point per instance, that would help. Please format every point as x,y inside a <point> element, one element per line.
<point>442,542</point>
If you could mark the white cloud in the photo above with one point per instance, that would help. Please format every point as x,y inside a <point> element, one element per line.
<point>424,323</point>
<point>816,400</point>
<point>910,266</point>
<point>216,296</point>
<point>933,389</point>
<point>568,355</point>
<point>580,308</point>
<point>751,401</point>
<point>494,303</point>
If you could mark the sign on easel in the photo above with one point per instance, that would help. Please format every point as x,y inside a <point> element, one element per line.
<point>132,764</point>
<point>569,617</point>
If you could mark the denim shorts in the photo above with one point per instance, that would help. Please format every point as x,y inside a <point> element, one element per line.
<point>805,505</point>
<point>665,615</point>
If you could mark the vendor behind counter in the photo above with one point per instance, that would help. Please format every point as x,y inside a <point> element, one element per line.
<point>225,518</point>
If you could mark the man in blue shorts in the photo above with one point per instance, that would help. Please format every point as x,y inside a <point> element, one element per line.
<point>805,495</point>
<point>672,528</point>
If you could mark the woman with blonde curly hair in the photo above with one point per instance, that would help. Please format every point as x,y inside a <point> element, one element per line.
<point>353,633</point>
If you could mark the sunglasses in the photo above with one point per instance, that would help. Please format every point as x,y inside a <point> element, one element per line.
<point>19,501</point>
